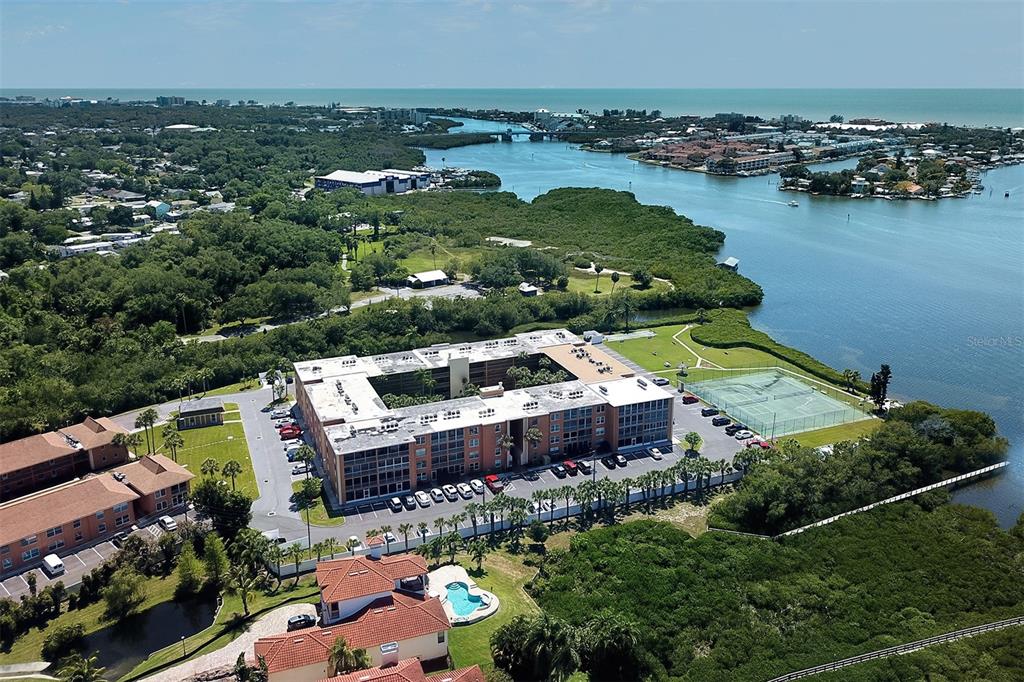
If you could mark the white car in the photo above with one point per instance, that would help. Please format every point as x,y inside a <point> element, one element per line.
<point>422,498</point>
<point>477,485</point>
<point>389,537</point>
<point>655,453</point>
<point>293,443</point>
<point>743,435</point>
<point>300,469</point>
<point>279,414</point>
<point>167,523</point>
<point>436,495</point>
<point>465,491</point>
<point>358,545</point>
<point>450,491</point>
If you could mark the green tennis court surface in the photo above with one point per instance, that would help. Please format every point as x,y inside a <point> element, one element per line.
<point>774,403</point>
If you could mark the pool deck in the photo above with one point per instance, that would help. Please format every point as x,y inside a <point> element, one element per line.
<point>440,578</point>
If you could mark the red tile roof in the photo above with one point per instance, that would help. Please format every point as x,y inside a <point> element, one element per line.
<point>397,618</point>
<point>352,577</point>
<point>410,670</point>
<point>33,450</point>
<point>152,473</point>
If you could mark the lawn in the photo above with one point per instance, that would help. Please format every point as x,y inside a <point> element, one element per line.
<point>836,434</point>
<point>422,260</point>
<point>222,443</point>
<point>27,648</point>
<point>504,575</point>
<point>321,515</point>
<point>584,282</point>
<point>229,630</point>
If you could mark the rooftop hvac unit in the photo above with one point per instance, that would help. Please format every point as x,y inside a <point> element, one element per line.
<point>603,389</point>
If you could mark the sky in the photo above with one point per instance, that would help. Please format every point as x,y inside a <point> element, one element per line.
<point>512,44</point>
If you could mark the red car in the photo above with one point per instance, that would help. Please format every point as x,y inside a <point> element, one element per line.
<point>494,483</point>
<point>763,444</point>
<point>690,399</point>
<point>289,432</point>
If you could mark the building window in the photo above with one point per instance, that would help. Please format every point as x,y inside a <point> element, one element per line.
<point>600,408</point>
<point>474,430</point>
<point>599,431</point>
<point>599,420</point>
<point>77,523</point>
<point>554,439</point>
<point>556,416</point>
<point>474,455</point>
<point>474,466</point>
<point>56,530</point>
<point>421,465</point>
<point>99,515</point>
<point>421,452</point>
<point>30,554</point>
<point>497,463</point>
<point>5,549</point>
<point>159,494</point>
<point>7,563</point>
<point>555,428</point>
<point>474,442</point>
<point>422,476</point>
<point>440,637</point>
<point>25,542</point>
<point>56,545</point>
<point>78,536</point>
<point>102,528</point>
<point>122,507</point>
<point>497,428</point>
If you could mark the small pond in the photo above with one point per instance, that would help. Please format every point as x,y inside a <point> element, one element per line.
<point>126,643</point>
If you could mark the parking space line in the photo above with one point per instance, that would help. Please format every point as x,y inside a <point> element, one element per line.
<point>79,559</point>
<point>22,576</point>
<point>97,552</point>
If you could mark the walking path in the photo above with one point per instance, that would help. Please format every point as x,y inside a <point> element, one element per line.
<point>706,362</point>
<point>273,623</point>
<point>897,498</point>
<point>901,649</point>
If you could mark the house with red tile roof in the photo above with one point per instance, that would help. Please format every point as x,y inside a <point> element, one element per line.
<point>347,585</point>
<point>376,604</point>
<point>48,459</point>
<point>410,670</point>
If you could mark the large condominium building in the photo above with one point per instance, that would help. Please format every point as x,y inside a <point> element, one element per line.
<point>374,182</point>
<point>480,422</point>
<point>46,459</point>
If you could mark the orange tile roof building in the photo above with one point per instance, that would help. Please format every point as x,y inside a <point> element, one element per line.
<point>68,517</point>
<point>410,670</point>
<point>47,459</point>
<point>374,604</point>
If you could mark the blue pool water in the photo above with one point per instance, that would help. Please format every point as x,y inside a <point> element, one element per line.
<point>463,603</point>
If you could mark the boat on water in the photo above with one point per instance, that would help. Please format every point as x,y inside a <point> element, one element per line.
<point>793,203</point>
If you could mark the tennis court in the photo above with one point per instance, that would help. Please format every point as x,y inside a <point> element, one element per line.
<point>774,403</point>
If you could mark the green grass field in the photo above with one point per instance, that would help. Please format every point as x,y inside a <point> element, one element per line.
<point>27,648</point>
<point>504,575</point>
<point>836,434</point>
<point>422,260</point>
<point>222,443</point>
<point>321,515</point>
<point>583,282</point>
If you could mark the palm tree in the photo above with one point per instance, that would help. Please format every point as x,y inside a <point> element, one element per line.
<point>457,520</point>
<point>693,440</point>
<point>275,555</point>
<point>506,444</point>
<point>77,668</point>
<point>472,512</point>
<point>421,530</point>
<point>306,455</point>
<point>209,467</point>
<point>330,544</point>
<point>204,374</point>
<point>318,547</point>
<point>385,532</point>
<point>682,472</point>
<point>627,485</point>
<point>439,524</point>
<point>343,660</point>
<point>723,468</point>
<point>534,437</point>
<point>615,280</point>
<point>242,580</point>
<point>426,380</point>
<point>351,545</point>
<point>231,469</point>
<point>144,421</point>
<point>478,550</point>
<point>598,269</point>
<point>551,644</point>
<point>851,377</point>
<point>404,530</point>
<point>173,440</point>
<point>296,554</point>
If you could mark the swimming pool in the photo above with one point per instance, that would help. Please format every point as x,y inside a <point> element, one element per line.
<point>463,603</point>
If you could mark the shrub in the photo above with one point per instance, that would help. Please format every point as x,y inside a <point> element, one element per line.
<point>62,640</point>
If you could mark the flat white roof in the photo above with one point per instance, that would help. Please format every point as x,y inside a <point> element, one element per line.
<point>630,391</point>
<point>353,177</point>
<point>429,275</point>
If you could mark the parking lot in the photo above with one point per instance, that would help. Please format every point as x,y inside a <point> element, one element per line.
<point>75,565</point>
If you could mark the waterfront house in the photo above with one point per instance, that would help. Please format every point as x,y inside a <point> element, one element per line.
<point>731,263</point>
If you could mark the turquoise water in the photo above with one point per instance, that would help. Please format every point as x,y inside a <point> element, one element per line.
<point>935,289</point>
<point>974,106</point>
<point>463,603</point>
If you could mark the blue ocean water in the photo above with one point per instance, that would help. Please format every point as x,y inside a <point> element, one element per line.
<point>933,288</point>
<point>1001,107</point>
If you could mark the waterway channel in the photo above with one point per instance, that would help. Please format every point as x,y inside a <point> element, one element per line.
<point>933,288</point>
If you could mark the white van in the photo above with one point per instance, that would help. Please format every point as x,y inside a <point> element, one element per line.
<point>53,565</point>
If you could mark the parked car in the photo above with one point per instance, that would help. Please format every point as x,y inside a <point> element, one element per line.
<point>167,523</point>
<point>655,454</point>
<point>289,433</point>
<point>285,422</point>
<point>690,399</point>
<point>559,471</point>
<point>409,502</point>
<point>355,542</point>
<point>720,421</point>
<point>709,412</point>
<point>477,485</point>
<point>608,461</point>
<point>660,381</point>
<point>531,475</point>
<point>570,467</point>
<point>620,460</point>
<point>53,565</point>
<point>436,495</point>
<point>743,435</point>
<point>450,491</point>
<point>585,467</point>
<point>389,537</point>
<point>494,483</point>
<point>301,621</point>
<point>395,503</point>
<point>279,413</point>
<point>300,469</point>
<point>422,498</point>
<point>732,429</point>
<point>119,538</point>
<point>292,442</point>
<point>763,444</point>
<point>465,491</point>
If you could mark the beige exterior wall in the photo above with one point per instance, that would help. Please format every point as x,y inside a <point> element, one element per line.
<point>424,648</point>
